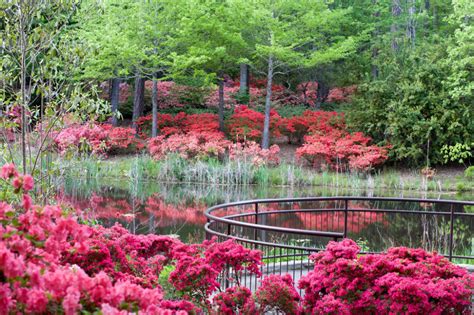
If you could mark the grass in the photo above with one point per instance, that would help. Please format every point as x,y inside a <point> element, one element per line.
<point>177,170</point>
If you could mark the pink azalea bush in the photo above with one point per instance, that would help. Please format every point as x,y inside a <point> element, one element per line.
<point>401,281</point>
<point>192,145</point>
<point>51,263</point>
<point>235,300</point>
<point>278,294</point>
<point>99,139</point>
<point>250,151</point>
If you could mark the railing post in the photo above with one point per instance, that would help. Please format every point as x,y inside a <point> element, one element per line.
<point>451,233</point>
<point>346,206</point>
<point>255,232</point>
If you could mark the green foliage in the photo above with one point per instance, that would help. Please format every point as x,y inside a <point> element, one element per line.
<point>412,109</point>
<point>459,153</point>
<point>469,173</point>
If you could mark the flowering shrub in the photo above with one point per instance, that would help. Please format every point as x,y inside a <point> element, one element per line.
<point>235,300</point>
<point>250,151</point>
<point>197,267</point>
<point>342,151</point>
<point>296,127</point>
<point>278,294</point>
<point>180,123</point>
<point>400,281</point>
<point>35,247</point>
<point>247,124</point>
<point>342,94</point>
<point>51,263</point>
<point>192,145</point>
<point>97,139</point>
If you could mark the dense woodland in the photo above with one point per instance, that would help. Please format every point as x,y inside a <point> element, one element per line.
<point>407,64</point>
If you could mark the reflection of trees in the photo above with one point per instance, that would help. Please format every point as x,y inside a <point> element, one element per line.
<point>150,207</point>
<point>430,232</point>
<point>150,216</point>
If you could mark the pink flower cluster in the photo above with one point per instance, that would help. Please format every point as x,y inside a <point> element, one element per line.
<point>235,300</point>
<point>278,294</point>
<point>192,145</point>
<point>401,281</point>
<point>198,266</point>
<point>250,151</point>
<point>51,263</point>
<point>96,138</point>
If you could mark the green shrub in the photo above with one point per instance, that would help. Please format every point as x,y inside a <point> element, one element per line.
<point>469,172</point>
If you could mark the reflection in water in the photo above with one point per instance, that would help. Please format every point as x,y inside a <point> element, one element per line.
<point>148,207</point>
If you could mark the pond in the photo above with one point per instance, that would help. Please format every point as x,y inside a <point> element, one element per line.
<point>178,209</point>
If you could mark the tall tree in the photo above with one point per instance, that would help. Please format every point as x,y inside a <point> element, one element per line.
<point>211,38</point>
<point>297,35</point>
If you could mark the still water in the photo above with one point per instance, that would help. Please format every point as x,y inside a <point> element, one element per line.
<point>178,209</point>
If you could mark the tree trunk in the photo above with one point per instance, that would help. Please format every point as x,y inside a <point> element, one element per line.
<point>375,51</point>
<point>221,101</point>
<point>396,11</point>
<point>24,101</point>
<point>322,94</point>
<point>138,100</point>
<point>268,103</point>
<point>411,28</point>
<point>114,98</point>
<point>244,79</point>
<point>154,104</point>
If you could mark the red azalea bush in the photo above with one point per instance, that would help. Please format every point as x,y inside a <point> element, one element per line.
<point>401,281</point>
<point>192,145</point>
<point>96,138</point>
<point>179,123</point>
<point>342,151</point>
<point>250,151</point>
<point>247,124</point>
<point>296,127</point>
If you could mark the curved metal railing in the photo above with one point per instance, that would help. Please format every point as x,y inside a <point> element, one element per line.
<point>288,230</point>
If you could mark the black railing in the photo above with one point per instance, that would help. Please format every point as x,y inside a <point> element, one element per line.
<point>288,230</point>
